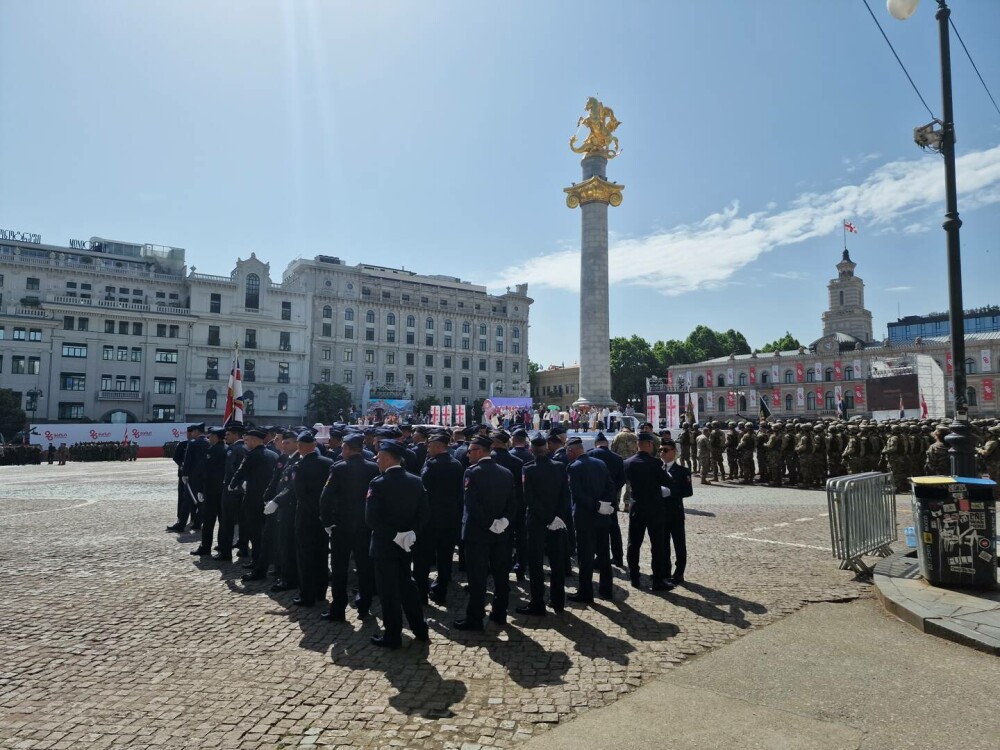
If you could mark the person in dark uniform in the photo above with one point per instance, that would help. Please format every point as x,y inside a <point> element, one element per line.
<point>647,513</point>
<point>184,502</point>
<point>616,468</point>
<point>256,471</point>
<point>336,441</point>
<point>231,499</point>
<point>678,486</point>
<point>284,496</point>
<point>457,440</point>
<point>193,470</point>
<point>395,511</point>
<point>546,498</point>
<point>213,477</point>
<point>558,449</point>
<point>311,541</point>
<point>502,455</point>
<point>391,432</point>
<point>442,477</point>
<point>462,451</point>
<point>519,446</point>
<point>592,496</point>
<point>269,551</point>
<point>419,444</point>
<point>342,512</point>
<point>50,454</point>
<point>489,505</point>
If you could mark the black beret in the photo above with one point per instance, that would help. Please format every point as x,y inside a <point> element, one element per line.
<point>574,441</point>
<point>337,433</point>
<point>519,432</point>
<point>646,436</point>
<point>668,443</point>
<point>539,439</point>
<point>289,435</point>
<point>200,426</point>
<point>557,430</point>
<point>470,431</point>
<point>355,440</point>
<point>257,433</point>
<point>501,436</point>
<point>390,431</point>
<point>234,427</point>
<point>553,439</point>
<point>217,431</point>
<point>422,429</point>
<point>439,437</point>
<point>306,437</point>
<point>483,442</point>
<point>390,446</point>
<point>601,438</point>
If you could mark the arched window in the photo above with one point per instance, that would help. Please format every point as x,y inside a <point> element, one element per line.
<point>849,399</point>
<point>210,398</point>
<point>282,401</point>
<point>849,373</point>
<point>447,326</point>
<point>789,376</point>
<point>370,316</point>
<point>788,402</point>
<point>430,324</point>
<point>765,376</point>
<point>811,401</point>
<point>466,327</point>
<point>810,375</point>
<point>701,405</point>
<point>701,381</point>
<point>722,404</point>
<point>349,314</point>
<point>971,399</point>
<point>841,298</point>
<point>328,312</point>
<point>482,329</point>
<point>970,366</point>
<point>515,332</point>
<point>248,403</point>
<point>828,375</point>
<point>411,322</point>
<point>252,299</point>
<point>742,379</point>
<point>743,403</point>
<point>390,319</point>
<point>721,381</point>
<point>829,403</point>
<point>499,332</point>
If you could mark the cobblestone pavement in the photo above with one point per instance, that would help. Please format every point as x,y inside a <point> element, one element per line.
<point>115,637</point>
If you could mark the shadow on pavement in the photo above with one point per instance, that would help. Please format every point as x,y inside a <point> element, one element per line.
<point>638,625</point>
<point>525,660</point>
<point>713,603</point>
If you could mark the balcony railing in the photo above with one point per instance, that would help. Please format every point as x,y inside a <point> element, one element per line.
<point>119,395</point>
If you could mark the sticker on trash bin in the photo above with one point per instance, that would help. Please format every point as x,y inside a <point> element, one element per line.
<point>977,520</point>
<point>986,556</point>
<point>963,505</point>
<point>928,537</point>
<point>978,506</point>
<point>949,508</point>
<point>984,543</point>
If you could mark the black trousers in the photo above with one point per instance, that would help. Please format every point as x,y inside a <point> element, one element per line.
<point>265,553</point>
<point>344,544</point>
<point>186,507</point>
<point>543,543</point>
<point>617,551</point>
<point>639,523</point>
<point>484,558</point>
<point>230,516</point>
<point>288,564</point>
<point>398,595</point>
<point>252,524</point>
<point>520,540</point>
<point>311,542</point>
<point>435,547</point>
<point>210,510</point>
<point>674,531</point>
<point>593,539</point>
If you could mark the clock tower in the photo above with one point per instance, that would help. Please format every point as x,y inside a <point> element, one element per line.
<point>846,311</point>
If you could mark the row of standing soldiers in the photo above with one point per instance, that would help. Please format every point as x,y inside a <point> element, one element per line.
<point>19,455</point>
<point>806,454</point>
<point>93,451</point>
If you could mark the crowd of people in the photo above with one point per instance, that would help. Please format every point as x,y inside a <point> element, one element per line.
<point>394,504</point>
<point>93,451</point>
<point>805,454</point>
<point>15,454</point>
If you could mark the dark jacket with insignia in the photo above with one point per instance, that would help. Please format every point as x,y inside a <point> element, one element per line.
<point>489,495</point>
<point>645,476</point>
<point>546,491</point>
<point>308,478</point>
<point>442,477</point>
<point>614,462</point>
<point>396,502</point>
<point>342,503</point>
<point>215,468</point>
<point>589,485</point>
<point>256,471</point>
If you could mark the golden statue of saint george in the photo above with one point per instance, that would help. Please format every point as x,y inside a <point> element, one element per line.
<point>601,122</point>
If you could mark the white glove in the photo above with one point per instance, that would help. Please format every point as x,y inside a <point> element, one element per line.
<point>201,497</point>
<point>664,491</point>
<point>329,530</point>
<point>605,509</point>
<point>557,524</point>
<point>270,507</point>
<point>499,526</point>
<point>405,539</point>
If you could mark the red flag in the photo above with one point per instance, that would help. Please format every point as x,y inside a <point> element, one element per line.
<point>234,394</point>
<point>850,227</point>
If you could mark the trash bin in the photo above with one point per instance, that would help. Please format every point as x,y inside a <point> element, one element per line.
<point>955,519</point>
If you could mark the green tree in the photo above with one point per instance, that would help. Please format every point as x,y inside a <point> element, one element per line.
<point>423,406</point>
<point>12,416</point>
<point>786,343</point>
<point>327,401</point>
<point>632,361</point>
<point>533,367</point>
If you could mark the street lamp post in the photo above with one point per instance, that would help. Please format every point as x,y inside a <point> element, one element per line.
<point>960,442</point>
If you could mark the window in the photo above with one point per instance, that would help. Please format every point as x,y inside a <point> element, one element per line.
<point>409,378</point>
<point>788,402</point>
<point>841,298</point>
<point>482,384</point>
<point>515,348</point>
<point>829,403</point>
<point>324,375</point>
<point>252,299</point>
<point>19,334</point>
<point>447,342</point>
<point>136,329</point>
<point>161,330</point>
<point>348,376</point>
<point>108,353</point>
<point>31,284</point>
<point>499,332</point>
<point>810,375</point>
<point>70,411</point>
<point>366,291</point>
<point>327,312</point>
<point>970,367</point>
<point>410,337</point>
<point>482,345</point>
<point>390,337</point>
<point>325,352</point>
<point>283,375</point>
<point>210,398</point>
<point>515,332</point>
<point>348,355</point>
<point>369,356</point>
<point>765,377</point>
<point>163,413</point>
<point>286,314</point>
<point>123,328</point>
<point>465,383</point>
<point>213,336</point>
<point>971,399</point>
<point>741,379</point>
<point>167,356</point>
<point>447,363</point>
<point>722,404</point>
<point>411,321</point>
<point>428,381</point>
<point>482,365</point>
<point>72,381</point>
<point>348,314</point>
<point>499,347</point>
<point>429,339</point>
<point>249,372</point>
<point>250,338</point>
<point>119,382</point>
<point>811,401</point>
<point>390,378</point>
<point>516,368</point>
<point>743,403</point>
<point>17,366</point>
<point>122,354</point>
<point>828,375</point>
<point>74,350</point>
<point>428,360</point>
<point>68,322</point>
<point>285,341</point>
<point>466,345</point>
<point>212,368</point>
<point>109,326</point>
<point>430,324</point>
<point>348,332</point>
<point>447,381</point>
<point>215,303</point>
<point>175,331</point>
<point>499,365</point>
<point>390,319</point>
<point>789,376</point>
<point>83,324</point>
<point>447,326</point>
<point>721,381</point>
<point>370,316</point>
<point>701,381</point>
<point>390,358</point>
<point>369,334</point>
<point>410,359</point>
<point>105,382</point>
<point>466,327</point>
<point>248,403</point>
<point>849,399</point>
<point>466,363</point>
<point>849,373</point>
<point>34,365</point>
<point>327,329</point>
<point>282,401</point>
<point>164,385</point>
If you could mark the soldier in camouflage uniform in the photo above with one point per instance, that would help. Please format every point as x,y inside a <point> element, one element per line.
<point>763,435</point>
<point>790,458</point>
<point>703,446</point>
<point>745,450</point>
<point>803,455</point>
<point>853,450</point>
<point>894,453</point>
<point>990,453</point>
<point>835,451</point>
<point>775,458</point>
<point>874,454</point>
<point>820,438</point>
<point>936,461</point>
<point>718,444</point>
<point>732,440</point>
<point>684,441</point>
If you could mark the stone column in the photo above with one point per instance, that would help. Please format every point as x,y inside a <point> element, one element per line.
<point>593,196</point>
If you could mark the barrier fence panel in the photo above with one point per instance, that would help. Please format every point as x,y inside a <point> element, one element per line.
<point>862,511</point>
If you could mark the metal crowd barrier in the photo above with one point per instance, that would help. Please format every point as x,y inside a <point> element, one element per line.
<point>862,517</point>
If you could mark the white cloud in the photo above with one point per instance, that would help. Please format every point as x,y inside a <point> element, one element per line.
<point>707,253</point>
<point>792,275</point>
<point>916,228</point>
<point>852,164</point>
<point>898,288</point>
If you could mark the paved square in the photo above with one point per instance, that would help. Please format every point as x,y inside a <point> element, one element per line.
<point>113,636</point>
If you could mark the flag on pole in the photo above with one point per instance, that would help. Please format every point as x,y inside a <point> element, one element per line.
<point>764,413</point>
<point>850,227</point>
<point>234,392</point>
<point>923,406</point>
<point>902,409</point>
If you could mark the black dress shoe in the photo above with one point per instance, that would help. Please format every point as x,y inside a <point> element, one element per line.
<point>300,602</point>
<point>252,577</point>
<point>333,616</point>
<point>424,636</point>
<point>558,610</point>
<point>636,583</point>
<point>580,598</point>
<point>175,528</point>
<point>468,625</point>
<point>247,566</point>
<point>200,552</point>
<point>363,613</point>
<point>521,576</point>
<point>380,640</point>
<point>529,610</point>
<point>500,620</point>
<point>660,586</point>
<point>280,586</point>
<point>619,563</point>
<point>441,601</point>
<point>676,581</point>
<point>222,558</point>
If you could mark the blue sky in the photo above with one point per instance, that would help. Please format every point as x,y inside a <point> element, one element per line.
<point>433,135</point>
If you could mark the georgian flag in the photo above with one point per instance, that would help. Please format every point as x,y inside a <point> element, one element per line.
<point>234,394</point>
<point>850,227</point>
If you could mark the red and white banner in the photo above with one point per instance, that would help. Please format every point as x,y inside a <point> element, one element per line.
<point>653,409</point>
<point>730,400</point>
<point>709,402</point>
<point>948,365</point>
<point>753,401</point>
<point>446,415</point>
<point>776,397</point>
<point>149,436</point>
<point>859,394</point>
<point>730,376</point>
<point>435,414</point>
<point>838,394</point>
<point>672,407</point>
<point>819,397</point>
<point>670,379</point>
<point>708,377</point>
<point>987,389</point>
<point>985,361</point>
<point>233,412</point>
<point>818,370</point>
<point>460,414</point>
<point>951,390</point>
<point>838,370</point>
<point>753,375</point>
<point>775,374</point>
<point>800,372</point>
<point>800,397</point>
<point>857,370</point>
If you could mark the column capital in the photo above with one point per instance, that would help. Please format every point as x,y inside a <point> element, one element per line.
<point>594,190</point>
